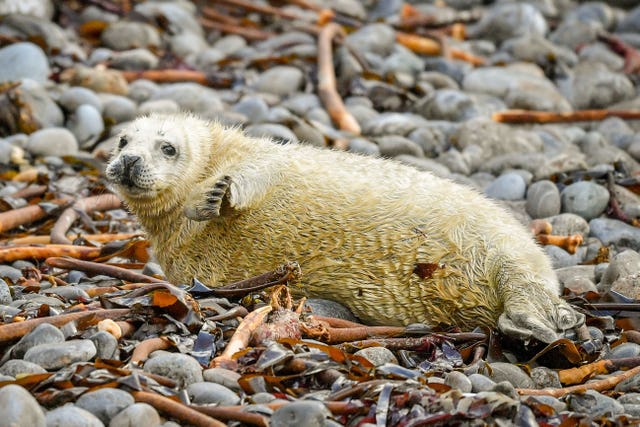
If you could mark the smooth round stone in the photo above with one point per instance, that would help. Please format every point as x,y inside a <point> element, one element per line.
<point>480,383</point>
<point>87,125</point>
<point>43,109</point>
<point>23,61</point>
<point>123,35</point>
<point>119,109</point>
<point>19,408</point>
<point>138,415</point>
<point>58,355</point>
<point>163,106</point>
<point>184,369</point>
<point>567,224</point>
<point>211,393</point>
<point>278,133</point>
<point>363,146</point>
<point>630,398</point>
<point>509,186</point>
<point>593,403</point>
<point>507,372</point>
<point>5,293</point>
<point>106,345</point>
<point>424,164</point>
<point>459,381</point>
<point>612,231</point>
<point>306,413</point>
<point>281,80</point>
<point>376,38</point>
<point>142,90</point>
<point>328,308</point>
<point>627,349</point>
<point>624,264</point>
<point>191,97</point>
<point>75,96</point>
<point>308,134</point>
<point>543,199</point>
<point>16,367</point>
<point>52,142</point>
<point>68,292</point>
<point>301,103</point>
<point>225,377</point>
<point>41,334</point>
<point>561,258</point>
<point>105,403</point>
<point>187,44</point>
<point>72,416</point>
<point>508,20</point>
<point>394,145</point>
<point>229,44</point>
<point>506,388</point>
<point>593,85</point>
<point>378,356</point>
<point>254,108</point>
<point>133,59</point>
<point>585,198</point>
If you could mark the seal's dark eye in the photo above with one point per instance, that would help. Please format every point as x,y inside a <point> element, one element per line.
<point>122,143</point>
<point>168,150</point>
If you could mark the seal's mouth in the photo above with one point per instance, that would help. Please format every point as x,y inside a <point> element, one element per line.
<point>127,174</point>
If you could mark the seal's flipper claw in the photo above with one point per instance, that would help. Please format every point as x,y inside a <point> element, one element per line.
<point>525,325</point>
<point>206,205</point>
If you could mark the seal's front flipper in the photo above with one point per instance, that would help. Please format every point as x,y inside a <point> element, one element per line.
<point>207,202</point>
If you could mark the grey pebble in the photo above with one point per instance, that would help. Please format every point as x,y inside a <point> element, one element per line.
<point>627,349</point>
<point>509,186</point>
<point>507,20</point>
<point>180,367</point>
<point>5,293</point>
<point>191,97</point>
<point>72,416</point>
<point>394,145</point>
<point>122,35</point>
<point>211,393</point>
<point>281,80</point>
<point>76,96</point>
<point>378,356</point>
<point>459,381</point>
<point>119,109</point>
<point>41,334</point>
<point>19,408</point>
<point>561,258</point>
<point>329,308</point>
<point>15,367</point>
<point>594,85</point>
<point>557,404</point>
<point>44,110</point>
<point>52,142</point>
<point>612,231</point>
<point>507,389</point>
<point>86,124</point>
<point>594,404</point>
<point>585,198</point>
<point>225,377</point>
<point>164,106</point>
<point>106,345</point>
<point>507,372</point>
<point>303,412</point>
<point>278,133</point>
<point>567,224</point>
<point>623,264</point>
<point>68,293</point>
<point>105,403</point>
<point>424,164</point>
<point>480,383</point>
<point>544,377</point>
<point>137,415</point>
<point>58,355</point>
<point>543,199</point>
<point>253,107</point>
<point>375,38</point>
<point>23,61</point>
<point>133,59</point>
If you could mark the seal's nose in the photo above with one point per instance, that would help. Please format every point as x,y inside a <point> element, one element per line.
<point>129,161</point>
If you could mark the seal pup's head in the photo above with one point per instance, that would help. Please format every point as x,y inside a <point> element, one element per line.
<point>156,156</point>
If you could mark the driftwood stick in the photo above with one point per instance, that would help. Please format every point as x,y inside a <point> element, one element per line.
<point>327,80</point>
<point>103,202</point>
<point>525,116</point>
<point>99,268</point>
<point>26,215</point>
<point>176,410</point>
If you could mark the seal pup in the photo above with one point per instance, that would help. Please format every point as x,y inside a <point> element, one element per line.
<point>394,244</point>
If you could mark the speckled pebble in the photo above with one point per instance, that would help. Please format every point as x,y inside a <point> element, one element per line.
<point>180,367</point>
<point>280,80</point>
<point>612,231</point>
<point>594,403</point>
<point>105,403</point>
<point>72,416</point>
<point>58,355</point>
<point>544,377</point>
<point>377,355</point>
<point>507,372</point>
<point>15,367</point>
<point>627,349</point>
<point>225,377</point>
<point>19,408</point>
<point>137,415</point>
<point>480,383</point>
<point>5,293</point>
<point>106,345</point>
